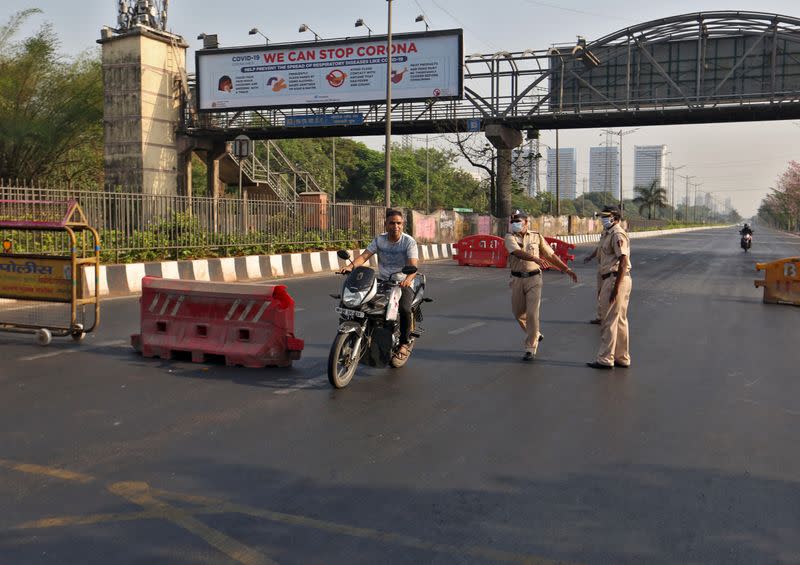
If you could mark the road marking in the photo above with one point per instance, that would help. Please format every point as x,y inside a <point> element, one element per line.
<point>74,350</point>
<point>754,382</point>
<point>45,471</point>
<point>578,285</point>
<point>466,328</point>
<point>154,506</point>
<point>308,383</point>
<point>140,494</point>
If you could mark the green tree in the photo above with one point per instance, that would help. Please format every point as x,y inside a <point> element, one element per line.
<point>51,110</point>
<point>651,198</point>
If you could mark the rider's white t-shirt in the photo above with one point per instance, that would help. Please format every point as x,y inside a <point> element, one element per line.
<point>393,256</point>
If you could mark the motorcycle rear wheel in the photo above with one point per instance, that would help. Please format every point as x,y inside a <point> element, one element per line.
<point>341,367</point>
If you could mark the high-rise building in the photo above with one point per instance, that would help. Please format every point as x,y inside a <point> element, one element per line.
<point>525,167</point>
<point>604,169</point>
<point>648,166</point>
<point>567,172</point>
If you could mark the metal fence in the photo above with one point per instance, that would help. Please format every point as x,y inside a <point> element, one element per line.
<point>142,227</point>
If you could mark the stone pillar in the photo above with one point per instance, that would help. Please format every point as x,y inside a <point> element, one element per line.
<point>504,139</point>
<point>142,68</point>
<point>315,210</point>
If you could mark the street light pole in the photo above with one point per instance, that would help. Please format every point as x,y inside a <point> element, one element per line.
<point>388,152</point>
<point>333,176</point>
<point>427,178</point>
<point>686,211</point>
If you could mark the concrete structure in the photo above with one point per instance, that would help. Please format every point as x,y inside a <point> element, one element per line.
<point>142,78</point>
<point>566,172</point>
<point>648,166</point>
<point>604,169</point>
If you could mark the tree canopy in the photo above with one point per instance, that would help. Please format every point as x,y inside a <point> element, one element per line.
<point>51,109</point>
<point>650,198</point>
<point>781,208</point>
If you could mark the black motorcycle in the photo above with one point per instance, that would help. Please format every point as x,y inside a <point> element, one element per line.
<point>746,241</point>
<point>369,322</point>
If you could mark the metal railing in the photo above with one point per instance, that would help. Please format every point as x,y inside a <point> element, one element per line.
<point>143,227</point>
<point>277,172</point>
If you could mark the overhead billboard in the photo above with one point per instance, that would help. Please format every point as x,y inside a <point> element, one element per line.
<point>323,73</point>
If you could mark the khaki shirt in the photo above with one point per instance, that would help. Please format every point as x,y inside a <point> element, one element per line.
<point>597,252</point>
<point>612,247</point>
<point>533,244</point>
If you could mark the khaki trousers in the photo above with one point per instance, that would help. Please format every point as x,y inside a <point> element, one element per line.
<point>526,294</point>
<point>614,327</point>
<point>599,288</point>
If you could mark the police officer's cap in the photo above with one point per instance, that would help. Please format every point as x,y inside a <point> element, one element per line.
<point>521,214</point>
<point>610,211</point>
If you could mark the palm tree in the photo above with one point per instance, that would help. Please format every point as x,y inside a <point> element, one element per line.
<point>651,198</point>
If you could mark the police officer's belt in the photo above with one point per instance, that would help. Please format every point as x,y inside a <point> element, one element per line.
<point>611,274</point>
<point>525,275</point>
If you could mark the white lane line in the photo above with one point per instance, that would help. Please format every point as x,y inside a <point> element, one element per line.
<point>77,349</point>
<point>754,382</point>
<point>304,384</point>
<point>578,285</point>
<point>46,355</point>
<point>466,328</point>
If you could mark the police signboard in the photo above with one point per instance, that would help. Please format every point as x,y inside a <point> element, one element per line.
<point>321,120</point>
<point>425,65</point>
<point>33,277</point>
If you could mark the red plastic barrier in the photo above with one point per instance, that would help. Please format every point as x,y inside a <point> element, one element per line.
<point>249,325</point>
<point>562,250</point>
<point>481,251</point>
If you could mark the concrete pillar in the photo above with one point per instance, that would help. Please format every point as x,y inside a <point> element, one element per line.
<point>315,210</point>
<point>504,139</point>
<point>142,109</point>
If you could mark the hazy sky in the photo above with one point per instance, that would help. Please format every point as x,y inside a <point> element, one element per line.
<point>737,160</point>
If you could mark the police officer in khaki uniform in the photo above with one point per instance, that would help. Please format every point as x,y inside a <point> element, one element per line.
<point>615,269</point>
<point>525,249</point>
<point>599,316</point>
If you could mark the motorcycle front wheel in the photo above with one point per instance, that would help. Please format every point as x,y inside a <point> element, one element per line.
<point>341,361</point>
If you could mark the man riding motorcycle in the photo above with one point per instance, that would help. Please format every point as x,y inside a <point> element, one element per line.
<point>746,230</point>
<point>395,250</point>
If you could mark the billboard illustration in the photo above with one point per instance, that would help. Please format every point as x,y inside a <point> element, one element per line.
<point>424,65</point>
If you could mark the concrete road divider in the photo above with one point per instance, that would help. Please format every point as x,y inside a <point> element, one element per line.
<point>249,325</point>
<point>781,281</point>
<point>120,280</point>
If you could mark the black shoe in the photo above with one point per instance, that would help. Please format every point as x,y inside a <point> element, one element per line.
<point>541,337</point>
<point>596,321</point>
<point>596,365</point>
<point>528,356</point>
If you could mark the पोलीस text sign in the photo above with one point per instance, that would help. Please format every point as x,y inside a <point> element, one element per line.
<point>424,66</point>
<point>36,278</point>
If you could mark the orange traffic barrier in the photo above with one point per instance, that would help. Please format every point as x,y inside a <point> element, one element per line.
<point>562,250</point>
<point>250,325</point>
<point>481,251</point>
<point>781,281</point>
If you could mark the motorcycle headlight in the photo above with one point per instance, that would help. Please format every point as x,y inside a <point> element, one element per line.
<point>353,298</point>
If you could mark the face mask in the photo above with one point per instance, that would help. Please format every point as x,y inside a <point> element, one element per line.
<point>607,222</point>
<point>516,227</point>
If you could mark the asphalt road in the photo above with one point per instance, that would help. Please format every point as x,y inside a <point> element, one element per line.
<point>466,455</point>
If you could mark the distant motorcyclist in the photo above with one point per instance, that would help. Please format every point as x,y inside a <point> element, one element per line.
<point>747,238</point>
